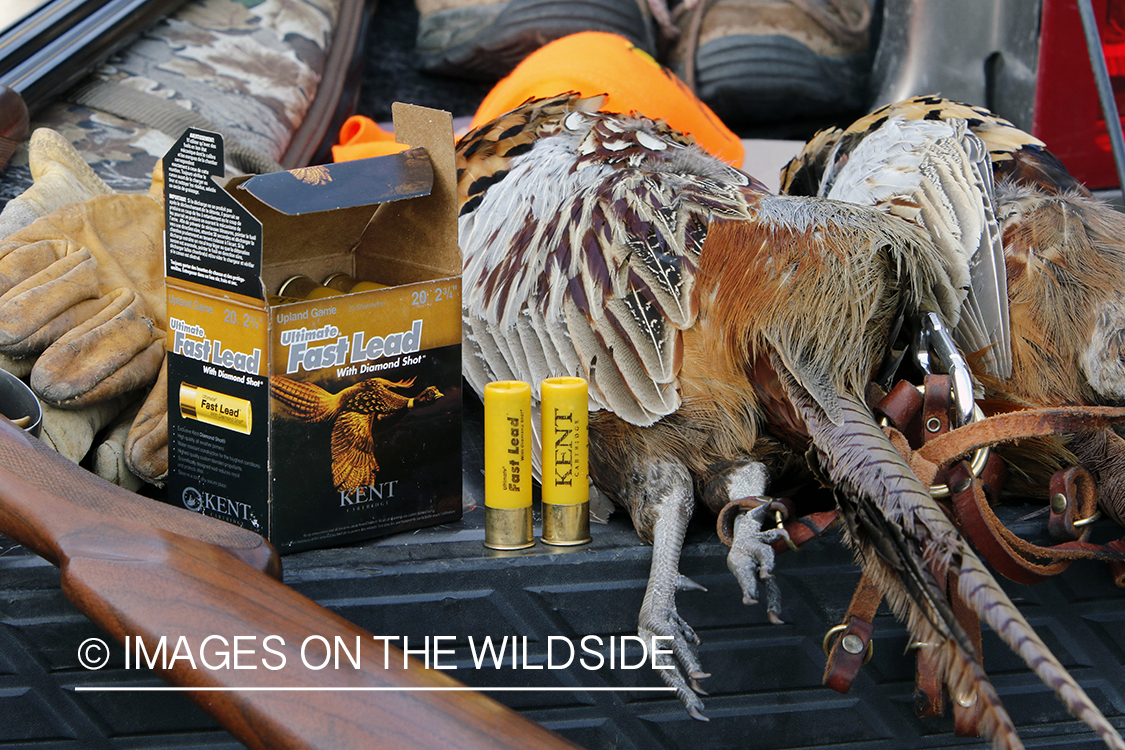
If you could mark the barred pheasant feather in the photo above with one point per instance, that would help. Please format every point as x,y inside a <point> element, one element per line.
<point>354,412</point>
<point>1016,156</point>
<point>723,331</point>
<point>1063,262</point>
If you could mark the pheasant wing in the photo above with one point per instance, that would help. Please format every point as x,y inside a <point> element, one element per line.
<point>580,254</point>
<point>353,456</point>
<point>937,174</point>
<point>305,401</point>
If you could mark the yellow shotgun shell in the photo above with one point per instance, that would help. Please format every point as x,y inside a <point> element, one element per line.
<point>566,491</point>
<point>302,287</point>
<point>507,465</point>
<point>344,283</point>
<point>215,408</point>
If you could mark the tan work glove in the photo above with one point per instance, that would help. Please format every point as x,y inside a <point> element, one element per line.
<point>85,285</point>
<point>146,447</point>
<point>61,176</point>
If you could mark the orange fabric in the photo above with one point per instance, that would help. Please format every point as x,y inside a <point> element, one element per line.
<point>361,137</point>
<point>589,63</point>
<point>595,62</point>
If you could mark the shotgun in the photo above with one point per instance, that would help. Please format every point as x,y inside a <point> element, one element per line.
<point>144,570</point>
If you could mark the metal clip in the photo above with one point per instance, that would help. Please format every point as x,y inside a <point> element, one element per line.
<point>933,337</point>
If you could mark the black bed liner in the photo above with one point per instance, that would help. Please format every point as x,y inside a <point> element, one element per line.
<point>765,689</point>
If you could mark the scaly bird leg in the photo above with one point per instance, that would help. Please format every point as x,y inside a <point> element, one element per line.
<point>668,488</point>
<point>751,557</point>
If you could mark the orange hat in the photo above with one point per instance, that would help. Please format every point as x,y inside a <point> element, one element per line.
<point>594,62</point>
<point>361,137</point>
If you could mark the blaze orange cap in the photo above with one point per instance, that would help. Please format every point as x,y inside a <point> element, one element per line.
<point>595,62</point>
<point>589,63</point>
<point>361,138</point>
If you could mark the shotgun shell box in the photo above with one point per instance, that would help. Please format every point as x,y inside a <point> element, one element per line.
<point>316,421</point>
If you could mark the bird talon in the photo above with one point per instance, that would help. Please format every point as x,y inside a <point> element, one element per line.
<point>696,714</point>
<point>683,583</point>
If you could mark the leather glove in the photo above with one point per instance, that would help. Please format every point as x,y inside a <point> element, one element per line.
<point>61,176</point>
<point>85,285</point>
<point>146,447</point>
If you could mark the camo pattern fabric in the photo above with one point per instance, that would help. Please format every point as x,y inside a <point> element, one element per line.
<point>249,67</point>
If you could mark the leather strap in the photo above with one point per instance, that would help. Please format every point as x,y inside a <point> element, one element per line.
<point>966,718</point>
<point>1074,503</point>
<point>929,693</point>
<point>1018,425</point>
<point>850,649</point>
<point>903,408</point>
<point>801,529</point>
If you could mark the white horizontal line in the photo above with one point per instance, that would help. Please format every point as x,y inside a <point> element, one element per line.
<point>169,688</point>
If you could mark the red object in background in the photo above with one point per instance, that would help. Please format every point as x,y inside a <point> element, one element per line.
<point>1068,116</point>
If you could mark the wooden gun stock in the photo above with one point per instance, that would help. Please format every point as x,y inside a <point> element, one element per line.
<point>184,579</point>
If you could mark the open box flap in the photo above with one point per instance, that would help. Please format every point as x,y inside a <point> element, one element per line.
<point>363,182</point>
<point>426,228</point>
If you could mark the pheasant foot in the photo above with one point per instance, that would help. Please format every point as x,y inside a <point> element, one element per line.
<point>669,488</point>
<point>751,558</point>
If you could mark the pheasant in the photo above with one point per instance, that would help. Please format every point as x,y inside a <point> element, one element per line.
<point>1063,257</point>
<point>354,411</point>
<point>724,332</point>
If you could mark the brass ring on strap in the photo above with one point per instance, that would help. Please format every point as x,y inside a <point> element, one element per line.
<point>1087,521</point>
<point>826,646</point>
<point>976,465</point>
<point>781,525</point>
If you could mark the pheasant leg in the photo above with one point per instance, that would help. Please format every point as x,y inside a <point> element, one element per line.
<point>751,557</point>
<point>669,488</point>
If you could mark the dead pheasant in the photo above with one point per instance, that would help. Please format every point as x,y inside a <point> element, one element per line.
<point>1063,255</point>
<point>721,329</point>
<point>354,412</point>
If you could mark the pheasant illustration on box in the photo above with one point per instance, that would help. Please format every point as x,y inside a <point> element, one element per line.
<point>356,413</point>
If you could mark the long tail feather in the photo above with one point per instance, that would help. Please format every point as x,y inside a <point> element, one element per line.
<point>984,595</point>
<point>903,536</point>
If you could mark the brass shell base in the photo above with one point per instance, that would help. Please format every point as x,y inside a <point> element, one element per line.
<point>566,525</point>
<point>508,528</point>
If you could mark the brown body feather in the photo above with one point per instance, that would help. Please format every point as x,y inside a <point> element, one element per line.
<point>1065,262</point>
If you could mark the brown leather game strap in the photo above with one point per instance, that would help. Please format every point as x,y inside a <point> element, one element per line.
<point>1014,557</point>
<point>944,449</point>
<point>801,529</point>
<point>922,419</point>
<point>848,645</point>
<point>1018,425</point>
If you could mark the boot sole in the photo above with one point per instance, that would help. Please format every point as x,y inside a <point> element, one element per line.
<point>487,42</point>
<point>748,78</point>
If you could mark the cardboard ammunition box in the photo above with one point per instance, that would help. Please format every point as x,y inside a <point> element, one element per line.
<point>316,421</point>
